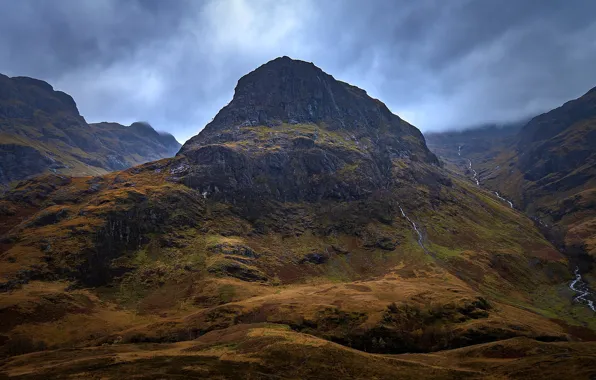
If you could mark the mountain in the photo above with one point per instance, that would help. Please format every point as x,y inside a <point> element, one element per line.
<point>554,173</point>
<point>547,168</point>
<point>302,231</point>
<point>42,131</point>
<point>293,132</point>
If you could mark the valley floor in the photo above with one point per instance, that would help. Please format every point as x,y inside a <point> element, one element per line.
<point>257,331</point>
<point>262,351</point>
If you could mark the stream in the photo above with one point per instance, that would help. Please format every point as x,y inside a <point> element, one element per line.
<point>473,172</point>
<point>475,178</point>
<point>503,199</point>
<point>581,288</point>
<point>415,228</point>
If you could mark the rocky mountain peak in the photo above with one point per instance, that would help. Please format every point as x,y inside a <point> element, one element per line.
<point>43,132</point>
<point>550,124</point>
<point>143,128</point>
<point>292,91</point>
<point>295,132</point>
<point>286,92</point>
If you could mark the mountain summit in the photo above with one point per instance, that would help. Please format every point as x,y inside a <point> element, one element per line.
<point>295,132</point>
<point>297,92</point>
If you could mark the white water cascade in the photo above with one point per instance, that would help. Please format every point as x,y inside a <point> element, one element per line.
<point>415,228</point>
<point>579,286</point>
<point>475,177</point>
<point>503,199</point>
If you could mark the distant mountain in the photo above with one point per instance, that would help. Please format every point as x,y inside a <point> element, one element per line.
<point>553,171</point>
<point>547,168</point>
<point>42,131</point>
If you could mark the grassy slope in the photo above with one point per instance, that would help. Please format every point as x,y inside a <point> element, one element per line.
<point>61,152</point>
<point>79,161</point>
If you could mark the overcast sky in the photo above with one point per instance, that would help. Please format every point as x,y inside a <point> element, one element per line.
<point>174,63</point>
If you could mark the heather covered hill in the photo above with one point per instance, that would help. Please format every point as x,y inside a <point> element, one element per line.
<point>305,217</point>
<point>42,131</point>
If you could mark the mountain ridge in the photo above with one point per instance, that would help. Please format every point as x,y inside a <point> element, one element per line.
<point>546,169</point>
<point>41,130</point>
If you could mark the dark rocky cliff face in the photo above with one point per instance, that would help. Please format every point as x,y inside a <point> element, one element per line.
<point>294,132</point>
<point>20,161</point>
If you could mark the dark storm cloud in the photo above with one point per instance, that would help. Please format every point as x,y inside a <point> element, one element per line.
<point>457,63</point>
<point>175,63</point>
<point>54,37</point>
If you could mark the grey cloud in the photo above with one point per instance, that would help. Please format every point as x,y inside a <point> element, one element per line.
<point>436,63</point>
<point>68,34</point>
